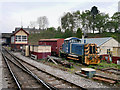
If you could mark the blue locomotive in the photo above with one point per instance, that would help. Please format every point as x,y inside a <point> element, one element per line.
<point>76,49</point>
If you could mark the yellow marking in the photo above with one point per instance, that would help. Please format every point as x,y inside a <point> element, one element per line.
<point>73,58</point>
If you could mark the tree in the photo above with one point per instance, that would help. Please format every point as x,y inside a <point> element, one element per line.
<point>94,12</point>
<point>32,24</point>
<point>79,33</point>
<point>59,29</point>
<point>86,21</point>
<point>100,20</point>
<point>109,26</point>
<point>116,20</point>
<point>67,21</point>
<point>42,22</point>
<point>68,33</point>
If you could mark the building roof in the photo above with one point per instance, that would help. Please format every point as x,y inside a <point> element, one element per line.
<point>98,41</point>
<point>48,39</point>
<point>27,29</point>
<point>6,35</point>
<point>19,30</point>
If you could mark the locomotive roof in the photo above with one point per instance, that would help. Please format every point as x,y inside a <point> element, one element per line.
<point>67,39</point>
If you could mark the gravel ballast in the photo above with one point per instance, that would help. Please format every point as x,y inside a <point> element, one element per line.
<point>80,81</point>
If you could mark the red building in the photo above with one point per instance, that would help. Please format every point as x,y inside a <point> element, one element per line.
<point>54,43</point>
<point>18,39</point>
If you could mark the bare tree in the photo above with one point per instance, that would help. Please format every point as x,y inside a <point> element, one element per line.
<point>42,22</point>
<point>32,24</point>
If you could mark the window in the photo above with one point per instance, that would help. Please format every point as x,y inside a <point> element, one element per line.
<point>90,49</point>
<point>94,50</point>
<point>20,38</point>
<point>108,51</point>
<point>24,38</point>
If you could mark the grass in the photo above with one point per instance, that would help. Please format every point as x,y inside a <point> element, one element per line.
<point>104,64</point>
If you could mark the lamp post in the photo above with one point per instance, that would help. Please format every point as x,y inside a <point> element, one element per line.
<point>94,12</point>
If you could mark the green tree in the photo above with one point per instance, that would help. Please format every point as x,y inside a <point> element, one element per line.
<point>100,20</point>
<point>109,26</point>
<point>116,19</point>
<point>79,33</point>
<point>67,21</point>
<point>68,33</point>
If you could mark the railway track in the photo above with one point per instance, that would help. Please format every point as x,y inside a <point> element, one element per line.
<point>39,79</point>
<point>23,77</point>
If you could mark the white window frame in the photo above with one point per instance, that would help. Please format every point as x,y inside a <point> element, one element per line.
<point>21,38</point>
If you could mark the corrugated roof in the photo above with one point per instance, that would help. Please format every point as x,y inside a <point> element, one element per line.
<point>98,41</point>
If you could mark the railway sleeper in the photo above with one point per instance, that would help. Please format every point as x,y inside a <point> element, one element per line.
<point>109,78</point>
<point>104,80</point>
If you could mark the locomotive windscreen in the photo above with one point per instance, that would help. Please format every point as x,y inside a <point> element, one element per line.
<point>92,50</point>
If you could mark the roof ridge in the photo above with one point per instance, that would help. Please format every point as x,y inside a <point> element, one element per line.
<point>101,38</point>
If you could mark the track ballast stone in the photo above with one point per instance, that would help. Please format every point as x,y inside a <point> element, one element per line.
<point>80,81</point>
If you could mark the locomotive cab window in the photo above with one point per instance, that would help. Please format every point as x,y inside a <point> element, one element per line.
<point>94,50</point>
<point>90,49</point>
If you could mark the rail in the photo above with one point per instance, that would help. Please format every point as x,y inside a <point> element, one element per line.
<point>28,71</point>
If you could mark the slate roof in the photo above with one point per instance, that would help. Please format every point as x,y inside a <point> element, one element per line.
<point>98,41</point>
<point>6,35</point>
<point>14,32</point>
<point>26,29</point>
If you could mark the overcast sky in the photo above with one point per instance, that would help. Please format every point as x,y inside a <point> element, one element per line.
<point>13,11</point>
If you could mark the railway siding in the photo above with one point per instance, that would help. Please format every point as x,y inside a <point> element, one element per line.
<point>80,81</point>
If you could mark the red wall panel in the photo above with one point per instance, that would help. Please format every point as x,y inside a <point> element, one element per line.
<point>41,55</point>
<point>55,45</point>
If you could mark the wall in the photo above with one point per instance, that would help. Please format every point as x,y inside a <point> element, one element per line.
<point>22,33</point>
<point>12,39</point>
<point>116,51</point>
<point>108,45</point>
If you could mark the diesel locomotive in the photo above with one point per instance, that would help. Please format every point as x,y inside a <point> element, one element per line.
<point>74,48</point>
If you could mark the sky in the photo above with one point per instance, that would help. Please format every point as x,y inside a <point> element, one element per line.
<point>14,13</point>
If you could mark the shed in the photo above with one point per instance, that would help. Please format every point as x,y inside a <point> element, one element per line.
<point>6,38</point>
<point>18,39</point>
<point>105,45</point>
<point>54,43</point>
